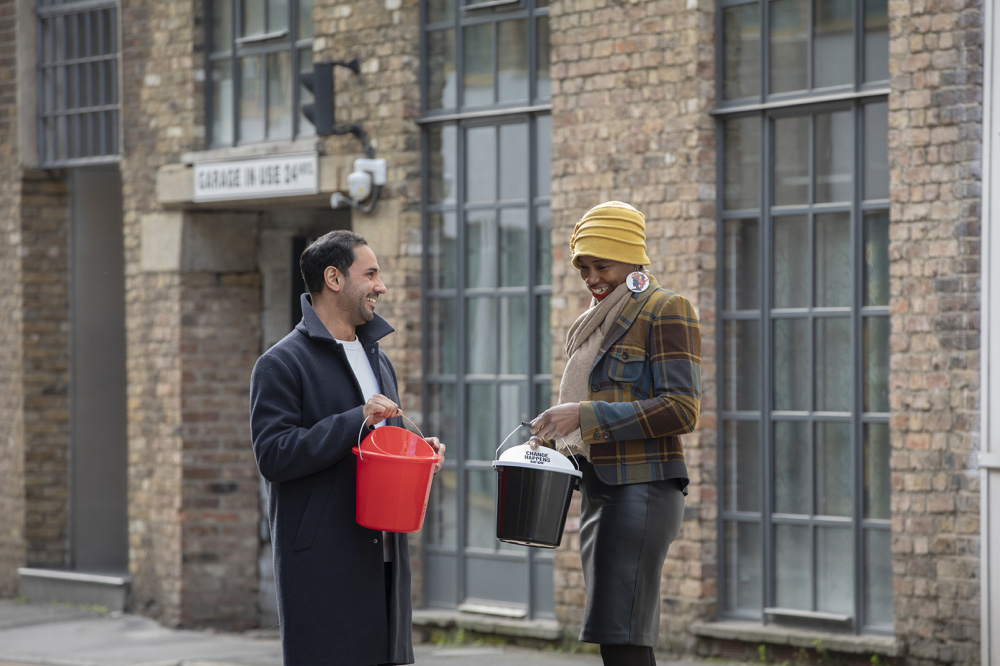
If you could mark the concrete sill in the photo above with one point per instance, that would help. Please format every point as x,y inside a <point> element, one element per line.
<point>74,587</point>
<point>542,630</point>
<point>755,632</point>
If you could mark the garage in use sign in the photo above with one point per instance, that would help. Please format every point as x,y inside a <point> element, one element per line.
<point>272,176</point>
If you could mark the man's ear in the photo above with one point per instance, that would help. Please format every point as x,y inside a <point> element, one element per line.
<point>333,278</point>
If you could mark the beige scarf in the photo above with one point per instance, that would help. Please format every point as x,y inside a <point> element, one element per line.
<point>582,344</point>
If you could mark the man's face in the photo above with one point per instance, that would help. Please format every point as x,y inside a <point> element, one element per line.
<point>362,286</point>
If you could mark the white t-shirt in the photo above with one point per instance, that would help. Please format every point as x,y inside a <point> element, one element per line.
<point>369,387</point>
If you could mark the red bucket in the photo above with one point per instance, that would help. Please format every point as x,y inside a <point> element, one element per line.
<point>395,469</point>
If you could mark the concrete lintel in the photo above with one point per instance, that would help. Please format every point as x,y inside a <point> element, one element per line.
<point>546,630</point>
<point>756,633</point>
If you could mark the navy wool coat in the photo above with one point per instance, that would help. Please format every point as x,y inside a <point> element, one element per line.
<point>305,415</point>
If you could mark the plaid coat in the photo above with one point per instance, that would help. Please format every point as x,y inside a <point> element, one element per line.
<point>645,390</point>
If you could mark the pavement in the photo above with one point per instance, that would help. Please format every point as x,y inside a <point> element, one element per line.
<point>61,635</point>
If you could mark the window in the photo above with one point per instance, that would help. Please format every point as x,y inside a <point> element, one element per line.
<point>804,266</point>
<point>487,258</point>
<point>256,50</point>
<point>78,101</point>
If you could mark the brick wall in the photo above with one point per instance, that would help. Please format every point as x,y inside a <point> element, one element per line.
<point>220,340</point>
<point>45,355</point>
<point>631,88</point>
<point>935,147</point>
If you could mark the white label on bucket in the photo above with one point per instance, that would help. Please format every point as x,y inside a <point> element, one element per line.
<point>537,457</point>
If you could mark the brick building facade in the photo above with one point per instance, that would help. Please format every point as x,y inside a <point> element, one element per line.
<point>636,113</point>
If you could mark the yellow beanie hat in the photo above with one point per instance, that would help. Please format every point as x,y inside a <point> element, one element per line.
<point>611,230</point>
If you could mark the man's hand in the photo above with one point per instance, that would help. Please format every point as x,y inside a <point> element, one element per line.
<point>438,447</point>
<point>378,409</point>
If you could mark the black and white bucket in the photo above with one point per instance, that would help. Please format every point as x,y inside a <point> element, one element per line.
<point>534,489</point>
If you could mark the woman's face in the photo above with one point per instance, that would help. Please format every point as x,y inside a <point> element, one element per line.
<point>603,275</point>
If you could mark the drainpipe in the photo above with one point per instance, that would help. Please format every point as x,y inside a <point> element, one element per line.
<point>989,396</point>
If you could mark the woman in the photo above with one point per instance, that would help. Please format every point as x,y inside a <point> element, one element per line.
<point>631,387</point>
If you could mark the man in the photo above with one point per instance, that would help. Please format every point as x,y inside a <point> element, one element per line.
<point>343,590</point>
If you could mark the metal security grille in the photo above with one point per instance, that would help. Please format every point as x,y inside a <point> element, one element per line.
<point>78,93</point>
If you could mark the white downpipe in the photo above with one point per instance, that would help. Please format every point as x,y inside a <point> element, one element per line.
<point>989,396</point>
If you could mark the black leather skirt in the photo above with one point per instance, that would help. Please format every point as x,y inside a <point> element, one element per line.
<point>624,535</point>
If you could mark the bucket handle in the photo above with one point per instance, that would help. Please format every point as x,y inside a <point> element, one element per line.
<point>365,421</point>
<point>525,424</point>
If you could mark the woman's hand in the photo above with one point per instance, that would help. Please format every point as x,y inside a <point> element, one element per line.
<point>438,447</point>
<point>556,422</point>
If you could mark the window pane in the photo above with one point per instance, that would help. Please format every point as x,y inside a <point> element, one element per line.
<point>306,128</point>
<point>742,491</point>
<point>833,42</point>
<point>514,161</point>
<point>742,168</point>
<point>481,250</point>
<point>543,78</point>
<point>876,40</point>
<point>253,18</point>
<point>877,473</point>
<point>543,156</point>
<point>792,567</point>
<point>441,522</point>
<point>512,65</point>
<point>741,51</point>
<point>834,390</point>
<point>440,10</point>
<point>543,336</point>
<point>441,153</point>
<point>442,88</point>
<point>279,102</point>
<point>277,15</point>
<point>791,365</point>
<point>833,469</point>
<point>222,102</point>
<point>480,422</point>
<point>792,468</point>
<point>742,265</point>
<point>511,411</point>
<point>742,356</point>
<point>876,166</point>
<point>479,502</point>
<point>788,39</point>
<point>876,363</point>
<point>513,335</point>
<point>878,577</point>
<point>513,247</point>
<point>744,577</point>
<point>791,262</point>
<point>834,570</point>
<point>543,246</point>
<point>478,61</point>
<point>834,157</point>
<point>481,337</point>
<point>441,336</point>
<point>833,260</point>
<point>252,98</point>
<point>305,19</point>
<point>480,164</point>
<point>791,161</point>
<point>441,254</point>
<point>876,259</point>
<point>222,25</point>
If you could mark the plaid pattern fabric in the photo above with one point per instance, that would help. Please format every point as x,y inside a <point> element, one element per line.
<point>645,390</point>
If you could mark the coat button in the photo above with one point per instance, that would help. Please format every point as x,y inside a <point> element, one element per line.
<point>607,435</point>
<point>624,355</point>
<point>595,387</point>
<point>374,540</point>
<point>597,435</point>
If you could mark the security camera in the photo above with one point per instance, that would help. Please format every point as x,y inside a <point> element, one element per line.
<point>359,185</point>
<point>367,173</point>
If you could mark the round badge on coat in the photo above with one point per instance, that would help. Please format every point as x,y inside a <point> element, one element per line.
<point>637,282</point>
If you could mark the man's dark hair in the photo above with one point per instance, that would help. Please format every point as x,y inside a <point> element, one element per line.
<point>336,249</point>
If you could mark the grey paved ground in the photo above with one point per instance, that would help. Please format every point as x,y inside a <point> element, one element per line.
<point>52,635</point>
